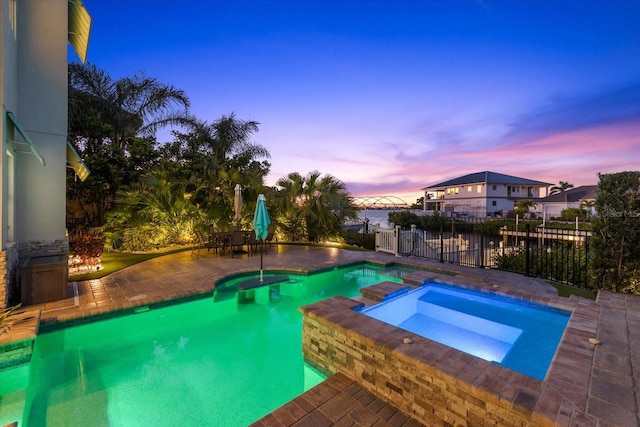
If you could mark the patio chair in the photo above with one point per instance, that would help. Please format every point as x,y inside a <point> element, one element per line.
<point>271,235</point>
<point>198,243</point>
<point>220,241</point>
<point>252,243</point>
<point>237,242</point>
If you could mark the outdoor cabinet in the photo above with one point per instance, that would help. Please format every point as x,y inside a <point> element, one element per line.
<point>44,279</point>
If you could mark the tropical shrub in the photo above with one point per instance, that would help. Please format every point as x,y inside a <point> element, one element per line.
<point>570,214</point>
<point>561,262</point>
<point>616,232</point>
<point>144,238</point>
<point>153,213</point>
<point>363,240</point>
<point>512,261</point>
<point>87,248</point>
<point>5,325</point>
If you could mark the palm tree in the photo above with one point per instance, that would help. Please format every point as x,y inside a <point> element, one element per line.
<point>419,204</point>
<point>228,140</point>
<point>587,206</point>
<point>217,156</point>
<point>130,106</point>
<point>562,187</point>
<point>524,206</point>
<point>314,206</point>
<point>289,198</point>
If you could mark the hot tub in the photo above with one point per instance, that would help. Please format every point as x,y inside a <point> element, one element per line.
<point>517,334</point>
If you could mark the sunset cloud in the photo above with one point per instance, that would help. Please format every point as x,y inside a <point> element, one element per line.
<point>392,96</point>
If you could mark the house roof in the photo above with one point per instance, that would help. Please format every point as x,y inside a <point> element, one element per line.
<point>584,192</point>
<point>487,177</point>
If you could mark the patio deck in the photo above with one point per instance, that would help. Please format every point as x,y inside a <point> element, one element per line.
<point>591,385</point>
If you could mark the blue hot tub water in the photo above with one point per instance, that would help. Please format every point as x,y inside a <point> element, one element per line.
<point>519,335</point>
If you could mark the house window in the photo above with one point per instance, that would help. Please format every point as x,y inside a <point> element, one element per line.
<point>469,188</point>
<point>530,192</point>
<point>494,203</point>
<point>478,189</point>
<point>494,187</point>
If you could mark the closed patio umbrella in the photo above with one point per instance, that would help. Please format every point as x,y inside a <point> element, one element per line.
<point>261,223</point>
<point>237,203</point>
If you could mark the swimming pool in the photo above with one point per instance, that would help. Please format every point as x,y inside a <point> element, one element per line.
<point>516,334</point>
<point>196,363</point>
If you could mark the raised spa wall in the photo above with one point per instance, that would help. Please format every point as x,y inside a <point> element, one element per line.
<point>438,385</point>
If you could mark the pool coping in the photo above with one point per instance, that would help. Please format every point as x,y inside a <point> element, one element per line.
<point>572,392</point>
<point>602,377</point>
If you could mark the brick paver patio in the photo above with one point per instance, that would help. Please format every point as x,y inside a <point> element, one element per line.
<point>587,384</point>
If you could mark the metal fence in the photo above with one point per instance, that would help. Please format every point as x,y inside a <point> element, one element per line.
<point>554,254</point>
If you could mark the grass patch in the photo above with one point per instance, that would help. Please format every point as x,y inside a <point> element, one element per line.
<point>114,261</point>
<point>566,291</point>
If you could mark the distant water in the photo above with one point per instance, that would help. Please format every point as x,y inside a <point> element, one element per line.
<point>375,216</point>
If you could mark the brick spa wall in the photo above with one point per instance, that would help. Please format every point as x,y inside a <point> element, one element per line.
<point>435,384</point>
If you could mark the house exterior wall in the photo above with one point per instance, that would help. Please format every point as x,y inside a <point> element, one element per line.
<point>554,209</point>
<point>479,198</point>
<point>42,111</point>
<point>33,86</point>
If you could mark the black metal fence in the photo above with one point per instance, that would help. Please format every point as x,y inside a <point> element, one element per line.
<point>554,254</point>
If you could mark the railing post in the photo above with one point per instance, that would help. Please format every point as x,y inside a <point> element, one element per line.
<point>396,235</point>
<point>441,248</point>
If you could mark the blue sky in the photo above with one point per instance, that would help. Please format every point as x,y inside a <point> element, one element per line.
<point>392,96</point>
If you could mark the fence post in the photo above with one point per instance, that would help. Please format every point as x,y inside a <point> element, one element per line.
<point>586,260</point>
<point>376,241</point>
<point>481,253</point>
<point>413,237</point>
<point>365,232</point>
<point>527,268</point>
<point>441,248</point>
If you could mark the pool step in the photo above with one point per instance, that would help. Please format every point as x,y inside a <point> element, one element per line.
<point>473,305</point>
<point>468,322</point>
<point>457,336</point>
<point>260,291</point>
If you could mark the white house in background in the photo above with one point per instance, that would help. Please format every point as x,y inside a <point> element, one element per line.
<point>481,194</point>
<point>33,129</point>
<point>553,205</point>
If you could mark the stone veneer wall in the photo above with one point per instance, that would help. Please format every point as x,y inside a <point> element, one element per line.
<point>10,269</point>
<point>18,254</point>
<point>434,384</point>
<point>3,279</point>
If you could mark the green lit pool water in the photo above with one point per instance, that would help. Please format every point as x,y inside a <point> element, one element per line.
<point>198,363</point>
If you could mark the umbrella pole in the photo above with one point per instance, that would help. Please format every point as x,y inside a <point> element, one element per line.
<point>261,263</point>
